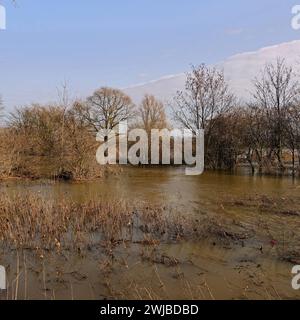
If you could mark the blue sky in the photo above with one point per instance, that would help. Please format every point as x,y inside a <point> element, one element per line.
<point>118,43</point>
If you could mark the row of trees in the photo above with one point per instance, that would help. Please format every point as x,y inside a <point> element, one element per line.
<point>264,133</point>
<point>59,140</point>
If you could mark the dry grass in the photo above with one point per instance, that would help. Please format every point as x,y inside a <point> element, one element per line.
<point>57,230</point>
<point>28,221</point>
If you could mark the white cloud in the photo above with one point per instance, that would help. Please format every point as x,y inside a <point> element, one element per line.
<point>239,70</point>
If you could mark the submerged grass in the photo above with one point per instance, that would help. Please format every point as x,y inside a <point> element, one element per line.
<point>28,221</point>
<point>32,222</point>
<point>47,235</point>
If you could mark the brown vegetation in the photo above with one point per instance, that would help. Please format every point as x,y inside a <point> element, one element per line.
<point>126,245</point>
<point>29,222</point>
<point>59,141</point>
<point>46,142</point>
<point>263,134</point>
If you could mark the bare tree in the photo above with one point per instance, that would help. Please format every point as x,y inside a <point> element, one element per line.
<point>275,92</point>
<point>256,135</point>
<point>64,104</point>
<point>205,99</point>
<point>151,114</point>
<point>105,109</point>
<point>292,133</point>
<point>206,96</point>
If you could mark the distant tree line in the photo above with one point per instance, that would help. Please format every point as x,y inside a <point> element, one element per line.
<point>263,134</point>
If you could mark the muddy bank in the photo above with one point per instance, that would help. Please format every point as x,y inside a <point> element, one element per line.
<point>120,250</point>
<point>181,271</point>
<point>277,223</point>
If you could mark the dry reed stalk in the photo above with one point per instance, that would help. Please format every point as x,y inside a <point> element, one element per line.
<point>25,276</point>
<point>17,278</point>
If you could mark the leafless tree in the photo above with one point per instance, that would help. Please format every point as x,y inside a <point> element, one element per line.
<point>227,143</point>
<point>151,114</point>
<point>276,91</point>
<point>64,104</point>
<point>292,133</point>
<point>105,109</point>
<point>206,96</point>
<point>256,136</point>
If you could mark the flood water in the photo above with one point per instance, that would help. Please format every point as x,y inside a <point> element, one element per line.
<point>168,185</point>
<point>206,271</point>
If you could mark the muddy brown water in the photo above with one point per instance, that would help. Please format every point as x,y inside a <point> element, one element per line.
<point>205,270</point>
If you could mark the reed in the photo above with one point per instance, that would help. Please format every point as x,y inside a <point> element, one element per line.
<point>31,222</point>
